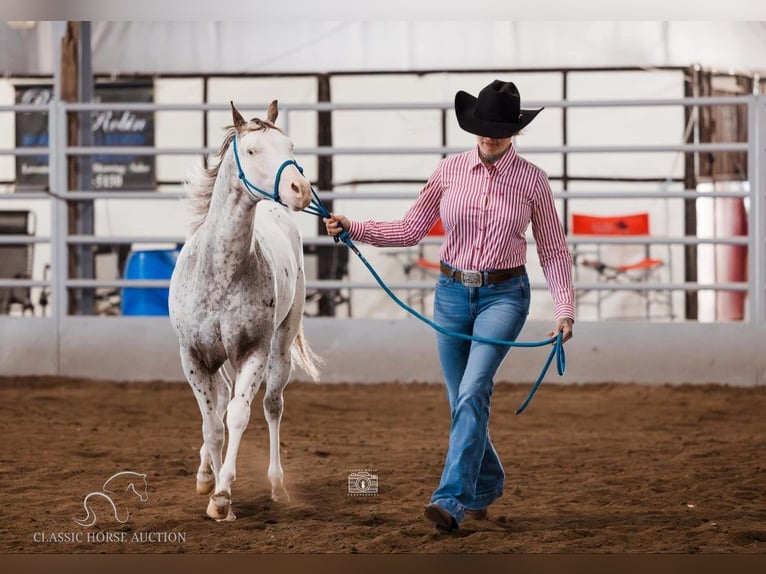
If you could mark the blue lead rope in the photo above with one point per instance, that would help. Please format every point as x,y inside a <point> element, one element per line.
<point>316,207</point>
<point>557,350</point>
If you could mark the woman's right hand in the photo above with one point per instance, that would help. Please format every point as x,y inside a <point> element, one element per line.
<point>336,224</point>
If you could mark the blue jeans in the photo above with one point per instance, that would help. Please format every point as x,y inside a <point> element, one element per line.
<point>473,476</point>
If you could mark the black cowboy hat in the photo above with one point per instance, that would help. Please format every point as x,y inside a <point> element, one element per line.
<point>496,113</point>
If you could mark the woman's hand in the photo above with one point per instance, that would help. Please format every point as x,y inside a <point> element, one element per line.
<point>336,224</point>
<point>564,325</point>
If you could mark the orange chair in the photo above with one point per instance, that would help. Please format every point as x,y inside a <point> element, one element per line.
<point>642,270</point>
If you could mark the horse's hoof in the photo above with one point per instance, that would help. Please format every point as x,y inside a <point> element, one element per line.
<point>280,495</point>
<point>219,506</point>
<point>205,486</point>
<point>231,517</point>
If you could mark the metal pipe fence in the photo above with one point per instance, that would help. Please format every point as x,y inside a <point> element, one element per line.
<point>59,153</point>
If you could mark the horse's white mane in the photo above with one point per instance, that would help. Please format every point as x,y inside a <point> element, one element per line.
<point>201,180</point>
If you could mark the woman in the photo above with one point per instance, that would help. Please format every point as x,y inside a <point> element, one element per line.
<point>486,198</point>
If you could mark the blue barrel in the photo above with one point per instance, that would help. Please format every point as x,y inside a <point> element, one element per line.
<point>150,264</point>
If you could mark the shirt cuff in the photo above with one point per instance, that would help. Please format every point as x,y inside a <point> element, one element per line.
<point>356,230</point>
<point>563,311</point>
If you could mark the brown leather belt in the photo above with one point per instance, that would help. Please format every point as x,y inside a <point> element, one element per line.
<point>481,278</point>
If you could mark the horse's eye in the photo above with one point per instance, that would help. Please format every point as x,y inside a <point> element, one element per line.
<point>250,152</point>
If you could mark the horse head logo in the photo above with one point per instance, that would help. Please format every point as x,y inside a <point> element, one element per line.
<point>114,486</point>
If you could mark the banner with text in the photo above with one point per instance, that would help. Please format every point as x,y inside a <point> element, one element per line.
<point>109,128</point>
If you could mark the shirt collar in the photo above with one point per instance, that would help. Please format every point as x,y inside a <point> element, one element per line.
<point>501,165</point>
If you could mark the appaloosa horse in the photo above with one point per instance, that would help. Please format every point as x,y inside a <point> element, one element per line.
<point>237,293</point>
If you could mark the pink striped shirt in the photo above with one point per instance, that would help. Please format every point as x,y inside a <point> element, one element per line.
<point>485,212</point>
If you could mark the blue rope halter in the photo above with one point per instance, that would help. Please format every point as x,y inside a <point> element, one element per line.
<point>316,207</point>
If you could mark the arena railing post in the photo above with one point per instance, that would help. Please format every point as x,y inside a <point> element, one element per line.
<point>757,217</point>
<point>59,229</point>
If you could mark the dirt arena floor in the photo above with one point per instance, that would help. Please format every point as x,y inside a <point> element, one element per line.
<point>590,469</point>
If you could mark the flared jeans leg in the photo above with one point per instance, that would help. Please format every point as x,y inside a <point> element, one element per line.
<point>473,476</point>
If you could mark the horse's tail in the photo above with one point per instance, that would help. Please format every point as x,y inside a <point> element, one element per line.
<point>304,357</point>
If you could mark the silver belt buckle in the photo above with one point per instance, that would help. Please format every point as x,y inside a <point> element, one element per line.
<point>471,278</point>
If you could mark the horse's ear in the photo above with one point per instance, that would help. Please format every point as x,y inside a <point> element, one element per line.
<point>239,121</point>
<point>273,111</point>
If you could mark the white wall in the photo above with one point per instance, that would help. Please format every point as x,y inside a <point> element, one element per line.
<point>294,44</point>
<point>370,351</point>
<point>298,45</point>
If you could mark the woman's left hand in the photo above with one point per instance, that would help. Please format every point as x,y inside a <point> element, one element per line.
<point>564,325</point>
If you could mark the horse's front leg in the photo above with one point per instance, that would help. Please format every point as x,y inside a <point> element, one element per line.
<point>248,380</point>
<point>205,475</point>
<point>205,387</point>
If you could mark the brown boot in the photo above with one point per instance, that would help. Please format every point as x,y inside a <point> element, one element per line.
<point>443,520</point>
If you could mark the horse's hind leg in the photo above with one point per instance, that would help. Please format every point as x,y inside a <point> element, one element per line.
<point>249,377</point>
<point>205,475</point>
<point>205,387</point>
<point>280,369</point>
<point>273,406</point>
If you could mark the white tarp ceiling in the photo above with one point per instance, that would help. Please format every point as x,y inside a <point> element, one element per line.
<point>310,46</point>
